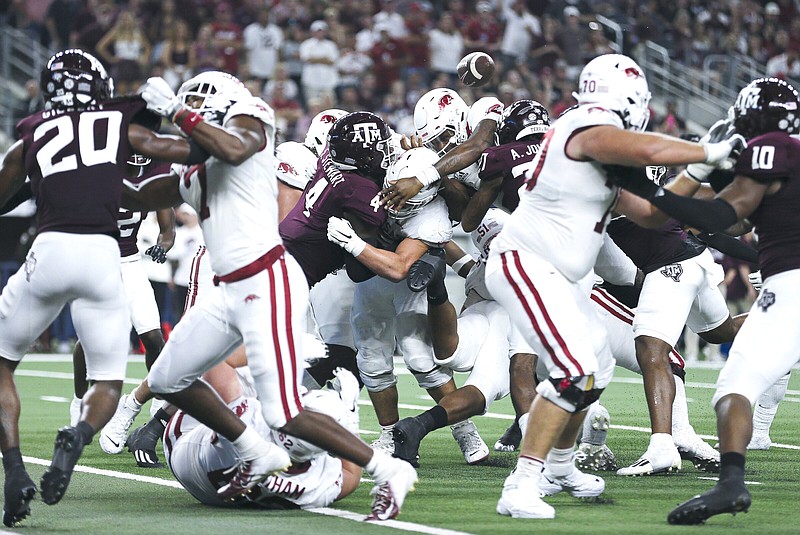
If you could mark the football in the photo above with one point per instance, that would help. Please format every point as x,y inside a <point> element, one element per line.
<point>475,69</point>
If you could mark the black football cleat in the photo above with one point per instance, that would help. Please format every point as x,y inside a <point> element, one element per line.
<point>142,444</point>
<point>19,491</point>
<point>407,435</point>
<point>510,440</point>
<point>431,266</point>
<point>67,451</point>
<point>732,498</point>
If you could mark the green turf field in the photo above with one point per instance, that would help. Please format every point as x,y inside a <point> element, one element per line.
<point>451,497</point>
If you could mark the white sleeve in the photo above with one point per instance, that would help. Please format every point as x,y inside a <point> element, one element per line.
<point>484,108</point>
<point>613,265</point>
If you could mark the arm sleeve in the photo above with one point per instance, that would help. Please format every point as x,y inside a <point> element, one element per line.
<point>23,194</point>
<point>711,216</point>
<point>731,246</point>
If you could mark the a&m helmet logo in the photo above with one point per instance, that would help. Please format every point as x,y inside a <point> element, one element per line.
<point>673,271</point>
<point>748,99</point>
<point>366,133</point>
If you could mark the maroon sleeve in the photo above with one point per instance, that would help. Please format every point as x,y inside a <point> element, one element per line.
<point>492,163</point>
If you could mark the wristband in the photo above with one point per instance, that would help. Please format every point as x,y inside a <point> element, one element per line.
<point>428,176</point>
<point>461,262</point>
<point>355,246</point>
<point>187,120</point>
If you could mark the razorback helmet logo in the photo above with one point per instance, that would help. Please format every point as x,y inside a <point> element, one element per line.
<point>286,167</point>
<point>445,101</point>
<point>630,72</point>
<point>327,119</point>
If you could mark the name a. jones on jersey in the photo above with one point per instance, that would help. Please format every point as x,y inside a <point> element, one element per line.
<point>531,149</point>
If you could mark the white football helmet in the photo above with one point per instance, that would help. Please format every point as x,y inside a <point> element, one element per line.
<point>618,83</point>
<point>317,135</point>
<point>295,165</point>
<point>323,401</point>
<point>438,112</point>
<point>409,164</point>
<point>211,93</point>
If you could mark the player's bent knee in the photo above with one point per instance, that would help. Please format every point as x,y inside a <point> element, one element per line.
<point>378,382</point>
<point>433,378</point>
<point>573,394</point>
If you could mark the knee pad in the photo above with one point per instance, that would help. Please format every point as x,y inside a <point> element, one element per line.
<point>376,371</point>
<point>433,378</point>
<point>379,381</point>
<point>572,394</point>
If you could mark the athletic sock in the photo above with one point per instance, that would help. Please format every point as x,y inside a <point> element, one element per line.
<point>731,468</point>
<point>381,466</point>
<point>86,432</point>
<point>561,461</point>
<point>529,466</point>
<point>249,445</point>
<point>432,419</point>
<point>523,423</point>
<point>12,460</point>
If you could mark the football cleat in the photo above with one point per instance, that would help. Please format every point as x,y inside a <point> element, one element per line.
<point>390,495</point>
<point>702,455</point>
<point>510,440</point>
<point>19,490</point>
<point>595,458</point>
<point>247,474</point>
<point>472,445</point>
<point>385,442</point>
<point>407,435</point>
<point>430,267</point>
<point>760,442</point>
<point>67,451</point>
<point>730,498</point>
<point>651,463</point>
<point>577,484</point>
<point>142,444</point>
<point>115,433</point>
<point>521,498</point>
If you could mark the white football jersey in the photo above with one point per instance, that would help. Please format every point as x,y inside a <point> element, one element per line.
<point>565,204</point>
<point>237,204</point>
<point>482,237</point>
<point>430,225</point>
<point>295,164</point>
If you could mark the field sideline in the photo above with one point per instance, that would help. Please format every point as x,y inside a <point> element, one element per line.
<point>451,497</point>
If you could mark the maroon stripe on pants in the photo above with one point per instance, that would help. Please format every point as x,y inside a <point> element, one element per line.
<point>276,344</point>
<point>290,332</point>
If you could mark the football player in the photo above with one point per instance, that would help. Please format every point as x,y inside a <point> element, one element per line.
<point>539,265</point>
<point>198,457</point>
<point>386,313</point>
<point>765,190</point>
<point>71,152</point>
<point>260,285</point>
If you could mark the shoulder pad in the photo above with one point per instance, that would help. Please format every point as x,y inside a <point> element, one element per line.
<point>295,165</point>
<point>483,108</point>
<point>254,107</point>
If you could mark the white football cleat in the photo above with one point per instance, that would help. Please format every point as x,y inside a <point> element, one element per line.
<point>760,442</point>
<point>702,455</point>
<point>653,463</point>
<point>521,498</point>
<point>577,484</point>
<point>472,445</point>
<point>385,442</point>
<point>115,433</point>
<point>247,474</point>
<point>390,495</point>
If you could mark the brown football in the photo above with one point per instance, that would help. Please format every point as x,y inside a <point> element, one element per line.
<point>475,69</point>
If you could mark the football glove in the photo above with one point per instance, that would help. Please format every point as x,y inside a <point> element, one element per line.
<point>341,232</point>
<point>633,179</point>
<point>157,253</point>
<point>719,131</point>
<point>160,97</point>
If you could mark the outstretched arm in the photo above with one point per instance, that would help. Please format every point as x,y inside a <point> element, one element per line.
<point>12,172</point>
<point>156,193</point>
<point>480,203</point>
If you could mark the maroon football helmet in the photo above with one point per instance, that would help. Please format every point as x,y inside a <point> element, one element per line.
<point>74,79</point>
<point>361,142</point>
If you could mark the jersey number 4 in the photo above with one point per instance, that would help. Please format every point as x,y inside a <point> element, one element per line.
<point>88,150</point>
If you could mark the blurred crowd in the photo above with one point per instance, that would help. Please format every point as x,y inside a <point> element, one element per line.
<point>306,55</point>
<point>303,56</point>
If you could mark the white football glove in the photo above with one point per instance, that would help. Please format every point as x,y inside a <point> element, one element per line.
<point>719,131</point>
<point>722,154</point>
<point>755,280</point>
<point>160,97</point>
<point>341,232</point>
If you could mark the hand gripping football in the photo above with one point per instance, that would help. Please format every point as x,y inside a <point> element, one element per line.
<point>475,69</point>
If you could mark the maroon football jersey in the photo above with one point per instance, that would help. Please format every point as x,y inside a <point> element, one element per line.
<point>651,249</point>
<point>129,221</point>
<point>770,157</point>
<point>331,193</point>
<point>74,162</point>
<point>511,161</point>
